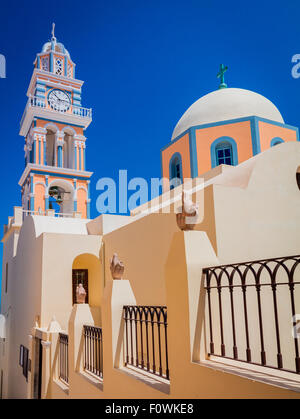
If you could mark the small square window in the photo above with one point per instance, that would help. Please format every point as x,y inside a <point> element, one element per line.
<point>21,355</point>
<point>6,277</point>
<point>25,362</point>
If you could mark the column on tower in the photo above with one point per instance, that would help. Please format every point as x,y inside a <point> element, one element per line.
<point>80,155</point>
<point>75,195</point>
<point>88,202</point>
<point>29,148</point>
<point>46,195</point>
<point>31,194</point>
<point>79,150</point>
<point>26,154</point>
<point>45,151</point>
<point>83,155</point>
<point>59,140</point>
<point>39,145</point>
<point>76,155</point>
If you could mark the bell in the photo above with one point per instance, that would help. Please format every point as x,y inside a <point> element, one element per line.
<point>53,191</point>
<point>59,200</point>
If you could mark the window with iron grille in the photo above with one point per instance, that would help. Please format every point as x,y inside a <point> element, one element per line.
<point>23,360</point>
<point>6,277</point>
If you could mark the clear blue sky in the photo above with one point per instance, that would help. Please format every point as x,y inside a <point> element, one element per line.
<point>144,63</point>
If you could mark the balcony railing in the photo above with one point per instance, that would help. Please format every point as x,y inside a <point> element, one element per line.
<point>146,344</point>
<point>93,350</point>
<point>38,102</point>
<point>63,357</point>
<point>252,312</point>
<point>44,213</point>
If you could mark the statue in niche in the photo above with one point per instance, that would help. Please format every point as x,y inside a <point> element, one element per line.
<point>80,294</point>
<point>116,267</point>
<point>188,215</point>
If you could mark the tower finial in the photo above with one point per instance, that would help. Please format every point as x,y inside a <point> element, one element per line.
<point>53,29</point>
<point>220,75</point>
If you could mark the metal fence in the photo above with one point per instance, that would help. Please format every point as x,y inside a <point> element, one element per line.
<point>252,312</point>
<point>63,357</point>
<point>93,350</point>
<point>146,344</point>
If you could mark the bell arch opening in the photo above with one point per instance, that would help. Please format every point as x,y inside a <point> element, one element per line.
<point>50,147</point>
<point>69,148</point>
<point>61,193</point>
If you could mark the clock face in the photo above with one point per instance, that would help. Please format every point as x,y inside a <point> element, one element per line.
<point>59,100</point>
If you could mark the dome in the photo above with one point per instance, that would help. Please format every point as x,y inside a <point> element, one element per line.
<point>58,47</point>
<point>226,104</point>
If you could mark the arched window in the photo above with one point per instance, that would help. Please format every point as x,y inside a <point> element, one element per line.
<point>224,154</point>
<point>224,151</point>
<point>276,141</point>
<point>175,170</point>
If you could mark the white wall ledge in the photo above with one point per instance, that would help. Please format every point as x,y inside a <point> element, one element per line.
<point>154,381</point>
<point>255,373</point>
<point>92,379</point>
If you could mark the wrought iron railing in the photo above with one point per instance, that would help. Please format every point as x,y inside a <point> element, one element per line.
<point>63,357</point>
<point>252,312</point>
<point>146,343</point>
<point>93,350</point>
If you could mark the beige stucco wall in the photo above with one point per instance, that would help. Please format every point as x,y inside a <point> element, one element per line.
<point>263,219</point>
<point>251,212</point>
<point>59,254</point>
<point>9,251</point>
<point>143,246</point>
<point>186,255</point>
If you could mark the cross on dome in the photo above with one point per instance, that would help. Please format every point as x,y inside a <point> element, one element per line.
<point>221,76</point>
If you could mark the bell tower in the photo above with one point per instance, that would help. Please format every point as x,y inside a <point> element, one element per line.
<point>53,126</point>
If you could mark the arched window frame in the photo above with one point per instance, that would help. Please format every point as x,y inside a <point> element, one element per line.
<point>214,147</point>
<point>276,141</point>
<point>174,156</point>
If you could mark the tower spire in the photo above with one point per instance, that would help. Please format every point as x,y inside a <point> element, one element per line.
<point>53,35</point>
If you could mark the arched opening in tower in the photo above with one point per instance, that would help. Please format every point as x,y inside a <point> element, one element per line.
<point>61,197</point>
<point>68,151</point>
<point>50,144</point>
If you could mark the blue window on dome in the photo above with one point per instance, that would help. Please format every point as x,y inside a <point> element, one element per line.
<point>175,170</point>
<point>224,151</point>
<point>224,154</point>
<point>276,141</point>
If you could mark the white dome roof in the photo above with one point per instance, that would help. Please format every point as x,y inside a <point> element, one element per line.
<point>226,104</point>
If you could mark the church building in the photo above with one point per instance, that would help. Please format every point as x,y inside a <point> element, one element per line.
<point>197,298</point>
<point>227,126</point>
<point>53,126</point>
